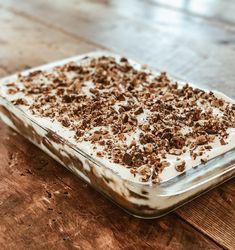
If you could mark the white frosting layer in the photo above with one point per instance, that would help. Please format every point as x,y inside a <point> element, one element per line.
<point>87,147</point>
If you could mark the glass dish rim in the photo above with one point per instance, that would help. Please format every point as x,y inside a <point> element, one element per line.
<point>179,178</point>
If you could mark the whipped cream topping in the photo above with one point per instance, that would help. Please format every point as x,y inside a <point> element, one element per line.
<point>94,149</point>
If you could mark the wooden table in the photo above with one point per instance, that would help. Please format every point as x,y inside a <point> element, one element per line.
<point>43,206</point>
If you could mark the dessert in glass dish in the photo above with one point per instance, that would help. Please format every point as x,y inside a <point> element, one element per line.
<point>147,141</point>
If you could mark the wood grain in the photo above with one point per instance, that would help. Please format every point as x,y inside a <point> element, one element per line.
<point>214,214</point>
<point>188,53</point>
<point>194,48</point>
<point>27,44</point>
<point>220,11</point>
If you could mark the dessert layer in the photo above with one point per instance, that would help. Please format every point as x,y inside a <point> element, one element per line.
<point>142,125</point>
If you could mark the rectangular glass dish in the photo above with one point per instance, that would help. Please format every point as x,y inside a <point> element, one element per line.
<point>141,199</point>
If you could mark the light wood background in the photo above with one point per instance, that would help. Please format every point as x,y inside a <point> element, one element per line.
<point>43,206</point>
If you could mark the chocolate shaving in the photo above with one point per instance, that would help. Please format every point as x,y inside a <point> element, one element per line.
<point>127,159</point>
<point>139,111</point>
<point>180,166</point>
<point>108,96</point>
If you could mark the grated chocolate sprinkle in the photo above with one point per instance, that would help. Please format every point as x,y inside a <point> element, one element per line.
<point>106,101</point>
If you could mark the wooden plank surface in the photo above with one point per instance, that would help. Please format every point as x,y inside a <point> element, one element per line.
<point>220,11</point>
<point>26,44</point>
<point>187,55</point>
<point>192,48</point>
<point>214,214</point>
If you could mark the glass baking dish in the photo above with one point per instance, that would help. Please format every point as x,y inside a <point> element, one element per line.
<point>139,199</point>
